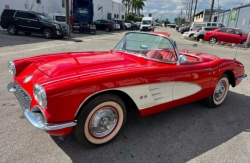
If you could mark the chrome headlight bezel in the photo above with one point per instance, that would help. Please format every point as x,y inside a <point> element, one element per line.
<point>40,95</point>
<point>57,26</point>
<point>12,68</point>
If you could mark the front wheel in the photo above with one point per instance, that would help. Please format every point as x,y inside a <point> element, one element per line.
<point>100,120</point>
<point>220,92</point>
<point>213,40</point>
<point>47,33</point>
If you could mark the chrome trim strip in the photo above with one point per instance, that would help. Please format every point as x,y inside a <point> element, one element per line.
<point>29,27</point>
<point>37,123</point>
<point>11,88</point>
<point>241,77</point>
<point>47,126</point>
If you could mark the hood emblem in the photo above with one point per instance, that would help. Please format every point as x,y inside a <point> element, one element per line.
<point>28,78</point>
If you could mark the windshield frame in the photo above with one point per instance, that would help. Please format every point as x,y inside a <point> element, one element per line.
<point>45,15</point>
<point>144,56</point>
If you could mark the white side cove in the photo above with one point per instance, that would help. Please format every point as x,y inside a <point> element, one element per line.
<point>149,95</point>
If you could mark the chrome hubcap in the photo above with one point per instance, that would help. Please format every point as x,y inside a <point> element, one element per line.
<point>47,33</point>
<point>212,40</point>
<point>11,30</point>
<point>103,122</point>
<point>220,90</point>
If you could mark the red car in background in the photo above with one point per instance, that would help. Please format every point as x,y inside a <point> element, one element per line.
<point>228,35</point>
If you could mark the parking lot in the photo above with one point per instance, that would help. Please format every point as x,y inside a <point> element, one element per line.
<point>190,133</point>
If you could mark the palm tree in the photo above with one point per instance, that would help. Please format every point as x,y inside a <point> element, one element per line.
<point>139,6</point>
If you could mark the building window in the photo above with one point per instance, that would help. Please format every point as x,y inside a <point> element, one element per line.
<point>114,15</point>
<point>63,4</point>
<point>122,16</point>
<point>117,16</point>
<point>38,1</point>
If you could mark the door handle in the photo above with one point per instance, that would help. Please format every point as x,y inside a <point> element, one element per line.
<point>208,69</point>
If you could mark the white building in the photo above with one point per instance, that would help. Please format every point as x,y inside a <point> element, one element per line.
<point>103,9</point>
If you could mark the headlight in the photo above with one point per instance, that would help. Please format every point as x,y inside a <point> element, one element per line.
<point>12,68</point>
<point>40,95</point>
<point>57,26</point>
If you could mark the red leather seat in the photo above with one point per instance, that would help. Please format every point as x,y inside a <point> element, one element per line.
<point>154,54</point>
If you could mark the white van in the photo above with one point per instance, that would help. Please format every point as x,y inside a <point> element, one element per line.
<point>147,24</point>
<point>197,25</point>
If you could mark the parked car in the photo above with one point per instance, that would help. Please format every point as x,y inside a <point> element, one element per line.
<point>138,24</point>
<point>84,27</point>
<point>200,33</point>
<point>228,35</point>
<point>121,22</point>
<point>184,29</point>
<point>133,25</point>
<point>189,34</point>
<point>196,25</point>
<point>104,24</point>
<point>127,25</point>
<point>58,17</point>
<point>29,22</point>
<point>88,93</point>
<point>117,26</point>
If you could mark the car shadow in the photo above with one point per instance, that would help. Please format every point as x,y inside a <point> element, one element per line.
<point>176,135</point>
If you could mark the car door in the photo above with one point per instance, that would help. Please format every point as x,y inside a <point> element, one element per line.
<point>98,24</point>
<point>223,35</point>
<point>192,77</point>
<point>20,19</point>
<point>33,23</point>
<point>104,23</point>
<point>235,36</point>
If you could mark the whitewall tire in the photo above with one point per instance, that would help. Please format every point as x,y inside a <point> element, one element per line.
<point>220,92</point>
<point>100,120</point>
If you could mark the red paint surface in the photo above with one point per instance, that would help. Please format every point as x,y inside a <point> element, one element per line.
<point>70,78</point>
<point>226,37</point>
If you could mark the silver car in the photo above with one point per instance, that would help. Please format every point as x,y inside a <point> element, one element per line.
<point>200,33</point>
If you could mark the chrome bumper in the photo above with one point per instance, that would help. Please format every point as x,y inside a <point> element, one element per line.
<point>36,122</point>
<point>241,77</point>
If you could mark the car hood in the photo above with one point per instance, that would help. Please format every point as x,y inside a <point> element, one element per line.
<point>67,64</point>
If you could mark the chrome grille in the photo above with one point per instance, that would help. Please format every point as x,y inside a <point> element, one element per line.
<point>22,96</point>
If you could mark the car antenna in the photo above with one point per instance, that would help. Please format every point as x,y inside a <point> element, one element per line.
<point>236,53</point>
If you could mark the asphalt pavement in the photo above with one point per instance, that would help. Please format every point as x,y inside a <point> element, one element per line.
<point>189,133</point>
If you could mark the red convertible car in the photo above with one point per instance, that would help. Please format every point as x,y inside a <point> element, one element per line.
<point>88,93</point>
<point>227,35</point>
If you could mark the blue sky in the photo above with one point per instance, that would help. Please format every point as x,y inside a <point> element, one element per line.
<point>172,8</point>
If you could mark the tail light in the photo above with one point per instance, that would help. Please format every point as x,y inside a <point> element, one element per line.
<point>111,24</point>
<point>197,30</point>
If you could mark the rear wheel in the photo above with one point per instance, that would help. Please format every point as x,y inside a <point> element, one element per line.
<point>220,92</point>
<point>12,29</point>
<point>107,29</point>
<point>100,120</point>
<point>213,40</point>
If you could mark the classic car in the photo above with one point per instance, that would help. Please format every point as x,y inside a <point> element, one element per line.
<point>88,93</point>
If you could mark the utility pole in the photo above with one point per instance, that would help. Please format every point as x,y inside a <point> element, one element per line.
<point>195,9</point>
<point>191,11</point>
<point>67,11</point>
<point>211,10</point>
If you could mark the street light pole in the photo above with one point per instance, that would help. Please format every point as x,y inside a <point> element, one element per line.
<point>195,9</point>
<point>67,11</point>
<point>211,10</point>
<point>191,12</point>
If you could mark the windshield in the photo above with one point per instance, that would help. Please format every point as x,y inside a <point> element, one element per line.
<point>147,45</point>
<point>146,22</point>
<point>44,17</point>
<point>82,11</point>
<point>244,32</point>
<point>61,18</point>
